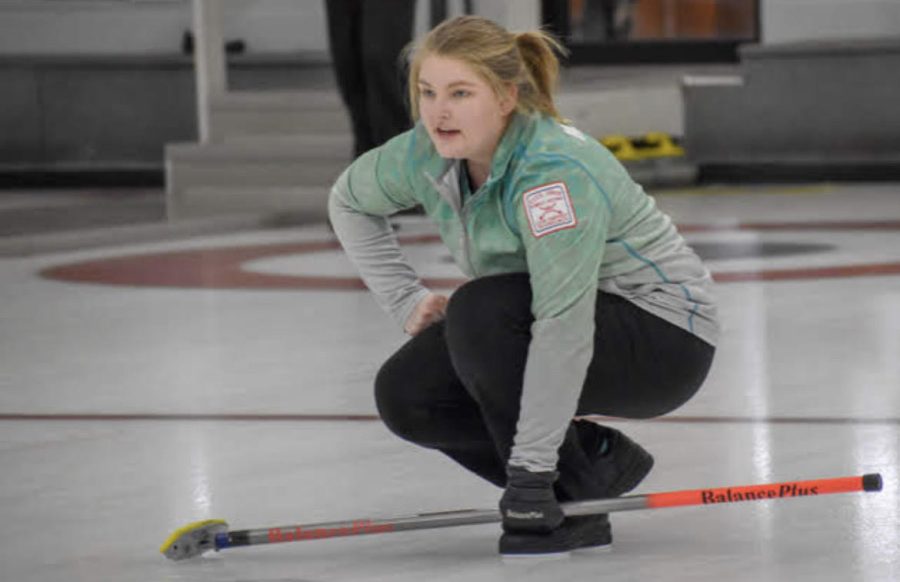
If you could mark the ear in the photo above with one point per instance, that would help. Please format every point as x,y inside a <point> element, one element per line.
<point>509,99</point>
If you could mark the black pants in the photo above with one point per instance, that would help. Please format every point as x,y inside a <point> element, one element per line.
<point>366,38</point>
<point>456,386</point>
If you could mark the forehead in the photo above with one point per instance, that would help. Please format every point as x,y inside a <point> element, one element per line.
<point>443,71</point>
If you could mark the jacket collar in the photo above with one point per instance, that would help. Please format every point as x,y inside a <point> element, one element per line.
<point>510,143</point>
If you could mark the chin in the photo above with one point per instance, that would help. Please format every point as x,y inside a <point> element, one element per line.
<point>448,153</point>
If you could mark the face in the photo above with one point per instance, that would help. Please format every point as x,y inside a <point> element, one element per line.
<point>464,117</point>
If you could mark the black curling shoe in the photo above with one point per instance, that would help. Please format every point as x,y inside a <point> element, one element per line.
<point>624,463</point>
<point>575,533</point>
<point>618,469</point>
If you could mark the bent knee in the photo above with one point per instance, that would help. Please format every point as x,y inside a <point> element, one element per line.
<point>401,414</point>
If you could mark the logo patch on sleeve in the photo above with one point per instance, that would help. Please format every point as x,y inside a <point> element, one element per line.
<point>549,209</point>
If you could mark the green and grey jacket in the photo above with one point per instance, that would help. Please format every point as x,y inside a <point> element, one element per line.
<point>556,205</point>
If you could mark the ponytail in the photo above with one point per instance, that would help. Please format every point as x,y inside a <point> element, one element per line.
<point>542,68</point>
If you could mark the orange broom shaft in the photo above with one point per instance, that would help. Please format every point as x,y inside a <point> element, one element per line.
<point>871,482</point>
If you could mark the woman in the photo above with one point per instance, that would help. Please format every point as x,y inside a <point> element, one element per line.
<point>583,298</point>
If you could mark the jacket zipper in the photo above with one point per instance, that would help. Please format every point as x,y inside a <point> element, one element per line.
<point>456,203</point>
<point>464,237</point>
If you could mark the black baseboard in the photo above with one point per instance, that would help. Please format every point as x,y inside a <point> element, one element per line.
<point>800,172</point>
<point>94,178</point>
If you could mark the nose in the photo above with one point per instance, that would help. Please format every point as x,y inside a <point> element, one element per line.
<point>442,108</point>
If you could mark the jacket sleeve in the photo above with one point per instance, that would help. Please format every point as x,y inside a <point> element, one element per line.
<point>370,190</point>
<point>563,217</point>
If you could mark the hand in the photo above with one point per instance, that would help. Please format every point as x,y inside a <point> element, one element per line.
<point>431,308</point>
<point>529,505</point>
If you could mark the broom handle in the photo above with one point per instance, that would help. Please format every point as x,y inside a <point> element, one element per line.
<point>714,496</point>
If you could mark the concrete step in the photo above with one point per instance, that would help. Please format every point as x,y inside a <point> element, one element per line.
<point>303,204</point>
<point>825,108</point>
<point>337,147</point>
<point>310,161</point>
<point>693,81</point>
<point>663,173</point>
<point>624,111</point>
<point>253,175</point>
<point>296,171</point>
<point>277,113</point>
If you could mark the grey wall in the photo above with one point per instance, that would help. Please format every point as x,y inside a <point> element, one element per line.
<point>116,112</point>
<point>790,20</point>
<point>21,131</point>
<point>111,113</point>
<point>41,27</point>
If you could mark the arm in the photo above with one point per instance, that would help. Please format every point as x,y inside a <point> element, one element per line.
<point>360,202</point>
<point>564,227</point>
<point>558,357</point>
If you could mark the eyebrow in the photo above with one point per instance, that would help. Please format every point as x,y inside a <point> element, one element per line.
<point>453,84</point>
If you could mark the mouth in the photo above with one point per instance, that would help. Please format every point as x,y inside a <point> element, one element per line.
<point>446,133</point>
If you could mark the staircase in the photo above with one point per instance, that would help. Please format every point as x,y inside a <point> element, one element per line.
<point>268,153</point>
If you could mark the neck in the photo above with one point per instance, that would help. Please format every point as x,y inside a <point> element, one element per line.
<point>480,169</point>
<point>478,173</point>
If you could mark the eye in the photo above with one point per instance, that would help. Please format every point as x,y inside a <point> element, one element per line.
<point>429,93</point>
<point>461,93</point>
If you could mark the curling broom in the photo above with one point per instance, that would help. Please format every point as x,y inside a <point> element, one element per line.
<point>196,538</point>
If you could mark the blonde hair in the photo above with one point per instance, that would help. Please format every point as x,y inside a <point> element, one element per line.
<point>502,58</point>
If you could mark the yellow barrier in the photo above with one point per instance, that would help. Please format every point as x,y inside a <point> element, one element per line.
<point>621,147</point>
<point>649,146</point>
